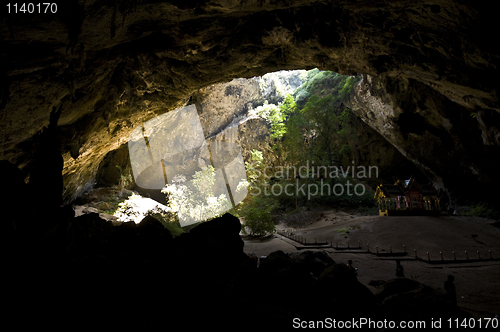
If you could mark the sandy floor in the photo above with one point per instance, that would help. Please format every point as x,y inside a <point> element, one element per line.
<point>477,283</point>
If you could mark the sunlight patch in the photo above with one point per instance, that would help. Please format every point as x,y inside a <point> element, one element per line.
<point>201,178</point>
<point>136,207</point>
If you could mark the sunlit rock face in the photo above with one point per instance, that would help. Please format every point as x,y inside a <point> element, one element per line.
<point>227,114</point>
<point>111,66</point>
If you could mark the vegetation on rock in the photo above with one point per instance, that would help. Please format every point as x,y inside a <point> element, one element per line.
<point>310,126</point>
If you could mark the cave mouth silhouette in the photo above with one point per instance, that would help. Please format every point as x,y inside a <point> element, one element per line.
<point>107,77</point>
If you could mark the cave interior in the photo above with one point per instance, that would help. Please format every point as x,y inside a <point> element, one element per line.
<point>75,83</point>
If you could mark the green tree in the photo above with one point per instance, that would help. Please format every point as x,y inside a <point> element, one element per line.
<point>274,116</point>
<point>291,141</point>
<point>257,216</point>
<point>256,208</point>
<point>196,200</point>
<point>323,128</point>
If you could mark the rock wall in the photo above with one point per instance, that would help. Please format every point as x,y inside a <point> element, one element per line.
<point>368,148</point>
<point>448,143</point>
<point>227,114</point>
<point>110,66</point>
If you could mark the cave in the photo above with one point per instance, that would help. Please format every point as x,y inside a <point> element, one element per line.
<point>78,77</point>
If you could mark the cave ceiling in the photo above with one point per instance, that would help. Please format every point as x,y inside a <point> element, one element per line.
<point>111,65</point>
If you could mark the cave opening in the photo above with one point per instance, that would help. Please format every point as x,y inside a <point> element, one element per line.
<point>303,125</point>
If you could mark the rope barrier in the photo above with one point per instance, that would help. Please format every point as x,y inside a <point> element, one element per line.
<point>329,243</point>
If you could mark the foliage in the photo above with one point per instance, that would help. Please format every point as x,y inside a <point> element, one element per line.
<point>312,124</point>
<point>483,210</point>
<point>279,84</point>
<point>112,197</point>
<point>352,201</point>
<point>323,83</point>
<point>256,210</point>
<point>257,216</point>
<point>266,110</point>
<point>345,150</point>
<point>347,88</point>
<point>168,219</point>
<point>314,80</point>
<point>323,126</point>
<point>275,117</point>
<point>293,142</point>
<point>254,171</point>
<point>126,177</point>
<point>128,210</point>
<point>196,200</point>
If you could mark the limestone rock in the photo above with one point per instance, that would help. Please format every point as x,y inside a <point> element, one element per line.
<point>316,261</point>
<point>410,300</point>
<point>420,123</point>
<point>336,291</point>
<point>104,206</point>
<point>114,66</point>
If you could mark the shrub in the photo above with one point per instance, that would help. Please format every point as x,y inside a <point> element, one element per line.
<point>257,217</point>
<point>128,209</point>
<point>126,177</point>
<point>483,210</point>
<point>168,219</point>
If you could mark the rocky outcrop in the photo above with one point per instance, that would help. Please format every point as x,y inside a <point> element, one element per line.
<point>112,66</point>
<point>448,143</point>
<point>227,114</point>
<point>113,166</point>
<point>399,297</point>
<point>140,276</point>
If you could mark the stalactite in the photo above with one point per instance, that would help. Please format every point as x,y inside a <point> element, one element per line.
<point>112,28</point>
<point>74,16</point>
<point>124,7</point>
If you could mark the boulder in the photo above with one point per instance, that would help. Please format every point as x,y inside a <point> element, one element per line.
<point>211,250</point>
<point>153,237</point>
<point>407,299</point>
<point>218,238</point>
<point>291,276</point>
<point>316,261</point>
<point>337,293</point>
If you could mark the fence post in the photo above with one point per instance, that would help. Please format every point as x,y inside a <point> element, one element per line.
<point>454,256</point>
<point>376,247</point>
<point>478,255</point>
<point>390,249</point>
<point>428,256</point>
<point>441,253</point>
<point>466,255</point>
